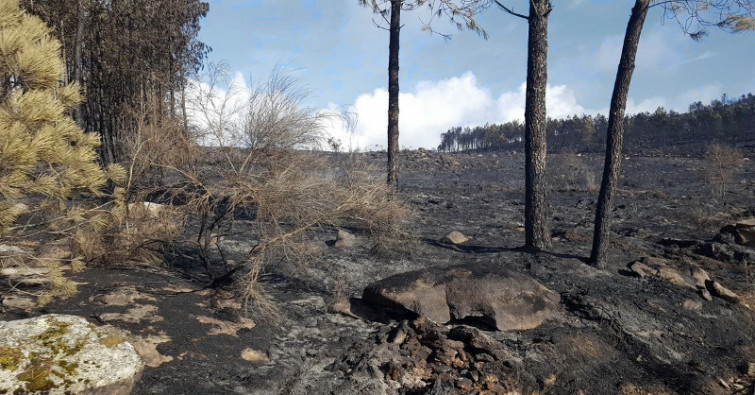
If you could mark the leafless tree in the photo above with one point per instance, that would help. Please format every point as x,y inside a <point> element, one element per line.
<point>693,16</point>
<point>460,12</point>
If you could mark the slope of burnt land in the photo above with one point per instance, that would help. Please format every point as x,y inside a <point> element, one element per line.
<point>655,326</point>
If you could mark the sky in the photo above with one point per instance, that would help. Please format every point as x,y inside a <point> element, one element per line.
<point>338,54</point>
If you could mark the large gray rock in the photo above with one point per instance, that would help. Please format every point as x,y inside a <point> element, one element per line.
<point>485,292</point>
<point>63,354</point>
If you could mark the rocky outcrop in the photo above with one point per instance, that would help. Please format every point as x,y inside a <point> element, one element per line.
<point>484,293</point>
<point>741,232</point>
<point>62,354</point>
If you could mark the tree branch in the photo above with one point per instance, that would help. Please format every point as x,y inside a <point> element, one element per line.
<point>510,11</point>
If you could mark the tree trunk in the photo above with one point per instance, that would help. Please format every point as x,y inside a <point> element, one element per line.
<point>536,221</point>
<point>393,90</point>
<point>616,132</point>
<point>78,49</point>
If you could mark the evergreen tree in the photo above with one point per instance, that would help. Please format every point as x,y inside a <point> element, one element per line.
<point>42,150</point>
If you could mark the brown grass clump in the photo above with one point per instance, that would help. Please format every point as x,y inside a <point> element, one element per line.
<point>570,171</point>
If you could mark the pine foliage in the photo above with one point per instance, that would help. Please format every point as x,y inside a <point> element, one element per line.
<point>42,150</point>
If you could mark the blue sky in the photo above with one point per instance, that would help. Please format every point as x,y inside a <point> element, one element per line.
<point>342,58</point>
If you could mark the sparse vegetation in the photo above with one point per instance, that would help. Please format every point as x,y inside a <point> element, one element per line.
<point>721,163</point>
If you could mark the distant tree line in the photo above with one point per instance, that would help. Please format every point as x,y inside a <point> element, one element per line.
<point>723,120</point>
<point>125,54</point>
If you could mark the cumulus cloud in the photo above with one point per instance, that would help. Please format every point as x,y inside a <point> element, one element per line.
<point>432,107</point>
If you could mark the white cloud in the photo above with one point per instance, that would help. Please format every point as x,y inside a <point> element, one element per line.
<point>647,105</point>
<point>704,94</point>
<point>433,107</point>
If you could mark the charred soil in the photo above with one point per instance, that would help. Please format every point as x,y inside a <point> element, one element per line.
<point>658,327</point>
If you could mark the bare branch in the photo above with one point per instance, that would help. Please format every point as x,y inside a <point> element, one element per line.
<point>510,11</point>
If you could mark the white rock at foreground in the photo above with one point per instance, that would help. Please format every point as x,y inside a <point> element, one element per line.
<point>64,354</point>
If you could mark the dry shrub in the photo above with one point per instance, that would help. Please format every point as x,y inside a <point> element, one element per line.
<point>721,161</point>
<point>301,194</point>
<point>262,168</point>
<point>154,143</point>
<point>120,234</point>
<point>573,172</point>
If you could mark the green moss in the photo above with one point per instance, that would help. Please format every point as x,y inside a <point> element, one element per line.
<point>42,366</point>
<point>111,341</point>
<point>37,375</point>
<point>10,358</point>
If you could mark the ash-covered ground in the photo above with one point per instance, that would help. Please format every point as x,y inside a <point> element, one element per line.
<point>654,327</point>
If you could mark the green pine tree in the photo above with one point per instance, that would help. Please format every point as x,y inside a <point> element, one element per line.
<point>42,150</point>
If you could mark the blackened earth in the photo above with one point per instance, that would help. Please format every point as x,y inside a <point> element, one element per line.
<point>614,332</point>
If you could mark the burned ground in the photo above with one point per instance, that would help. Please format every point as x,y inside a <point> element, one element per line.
<point>615,331</point>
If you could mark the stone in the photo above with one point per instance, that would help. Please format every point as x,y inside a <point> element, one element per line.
<point>344,239</point>
<point>149,209</point>
<point>748,369</point>
<point>455,238</point>
<point>485,293</point>
<point>55,250</point>
<point>61,354</point>
<point>254,356</point>
<point>722,292</point>
<point>700,277</point>
<point>464,384</point>
<point>692,305</point>
<point>475,339</point>
<point>743,232</point>
<point>17,302</point>
<point>660,268</point>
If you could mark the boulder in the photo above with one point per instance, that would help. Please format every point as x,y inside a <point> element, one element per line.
<point>660,268</point>
<point>344,239</point>
<point>62,354</point>
<point>455,237</point>
<point>742,231</point>
<point>484,293</point>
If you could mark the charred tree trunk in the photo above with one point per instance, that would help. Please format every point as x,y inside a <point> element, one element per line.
<point>78,49</point>
<point>616,132</point>
<point>536,221</point>
<point>393,48</point>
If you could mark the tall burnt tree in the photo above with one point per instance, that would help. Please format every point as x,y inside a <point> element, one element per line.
<point>536,216</point>
<point>461,14</point>
<point>733,15</point>
<point>124,52</point>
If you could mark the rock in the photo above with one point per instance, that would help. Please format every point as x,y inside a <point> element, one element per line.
<point>25,275</point>
<point>726,252</point>
<point>748,369</point>
<point>692,305</point>
<point>455,238</point>
<point>479,343</point>
<point>743,232</point>
<point>485,293</point>
<point>254,356</point>
<point>55,250</point>
<point>700,277</point>
<point>659,268</point>
<point>17,302</point>
<point>464,384</point>
<point>9,251</point>
<point>60,354</point>
<point>148,209</point>
<point>722,292</point>
<point>344,239</point>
